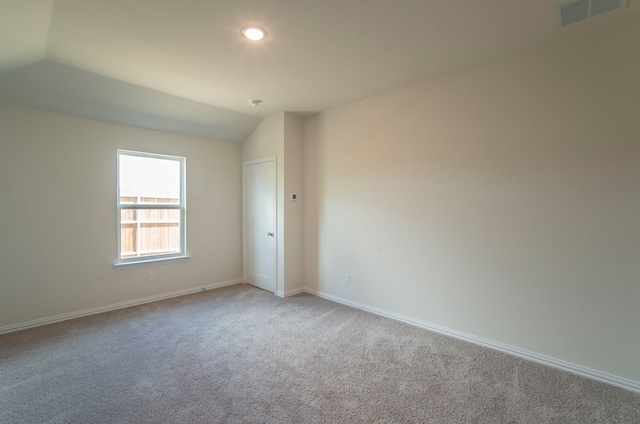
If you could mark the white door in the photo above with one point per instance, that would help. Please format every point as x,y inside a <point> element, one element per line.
<point>260,224</point>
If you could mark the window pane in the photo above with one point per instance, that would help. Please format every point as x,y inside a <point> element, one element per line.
<point>146,232</point>
<point>154,180</point>
<point>149,180</point>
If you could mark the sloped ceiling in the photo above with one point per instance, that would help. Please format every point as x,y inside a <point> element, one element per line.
<point>52,86</point>
<point>183,66</point>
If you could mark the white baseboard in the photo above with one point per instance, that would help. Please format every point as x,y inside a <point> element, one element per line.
<point>613,380</point>
<point>288,293</point>
<point>522,353</point>
<point>293,292</point>
<point>121,305</point>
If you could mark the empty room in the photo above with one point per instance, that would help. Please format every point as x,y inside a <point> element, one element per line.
<point>330,211</point>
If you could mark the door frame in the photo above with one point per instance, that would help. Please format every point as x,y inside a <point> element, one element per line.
<point>245,261</point>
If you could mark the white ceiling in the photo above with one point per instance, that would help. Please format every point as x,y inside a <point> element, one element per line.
<point>317,55</point>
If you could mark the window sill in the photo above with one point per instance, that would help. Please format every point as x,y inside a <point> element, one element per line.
<point>148,262</point>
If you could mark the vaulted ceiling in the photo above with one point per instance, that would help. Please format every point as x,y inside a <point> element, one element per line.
<point>183,66</point>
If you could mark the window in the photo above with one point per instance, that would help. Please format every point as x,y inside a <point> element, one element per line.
<point>151,207</point>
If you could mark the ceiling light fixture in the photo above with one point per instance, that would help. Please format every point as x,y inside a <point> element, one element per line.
<point>254,32</point>
<point>255,102</point>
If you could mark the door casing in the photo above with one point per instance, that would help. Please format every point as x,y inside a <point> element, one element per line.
<point>246,248</point>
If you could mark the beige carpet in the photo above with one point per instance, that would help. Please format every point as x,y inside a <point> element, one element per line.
<point>241,355</point>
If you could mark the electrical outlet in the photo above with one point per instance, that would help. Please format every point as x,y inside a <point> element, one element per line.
<point>152,276</point>
<point>347,278</point>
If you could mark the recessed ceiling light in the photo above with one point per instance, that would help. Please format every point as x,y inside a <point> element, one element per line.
<point>254,32</point>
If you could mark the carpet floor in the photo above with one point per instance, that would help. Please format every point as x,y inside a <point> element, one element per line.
<point>242,355</point>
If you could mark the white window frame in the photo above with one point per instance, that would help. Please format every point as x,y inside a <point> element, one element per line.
<point>142,260</point>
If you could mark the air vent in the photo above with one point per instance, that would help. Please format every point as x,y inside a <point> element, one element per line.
<point>580,10</point>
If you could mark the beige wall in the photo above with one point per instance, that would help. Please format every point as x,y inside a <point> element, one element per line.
<point>280,135</point>
<point>294,219</point>
<point>265,141</point>
<point>58,215</point>
<point>502,201</point>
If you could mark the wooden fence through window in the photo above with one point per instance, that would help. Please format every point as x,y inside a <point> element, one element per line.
<point>146,232</point>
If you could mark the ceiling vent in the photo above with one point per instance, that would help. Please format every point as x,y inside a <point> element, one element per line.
<point>580,10</point>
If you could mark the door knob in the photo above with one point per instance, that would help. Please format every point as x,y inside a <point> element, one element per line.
<point>270,234</point>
